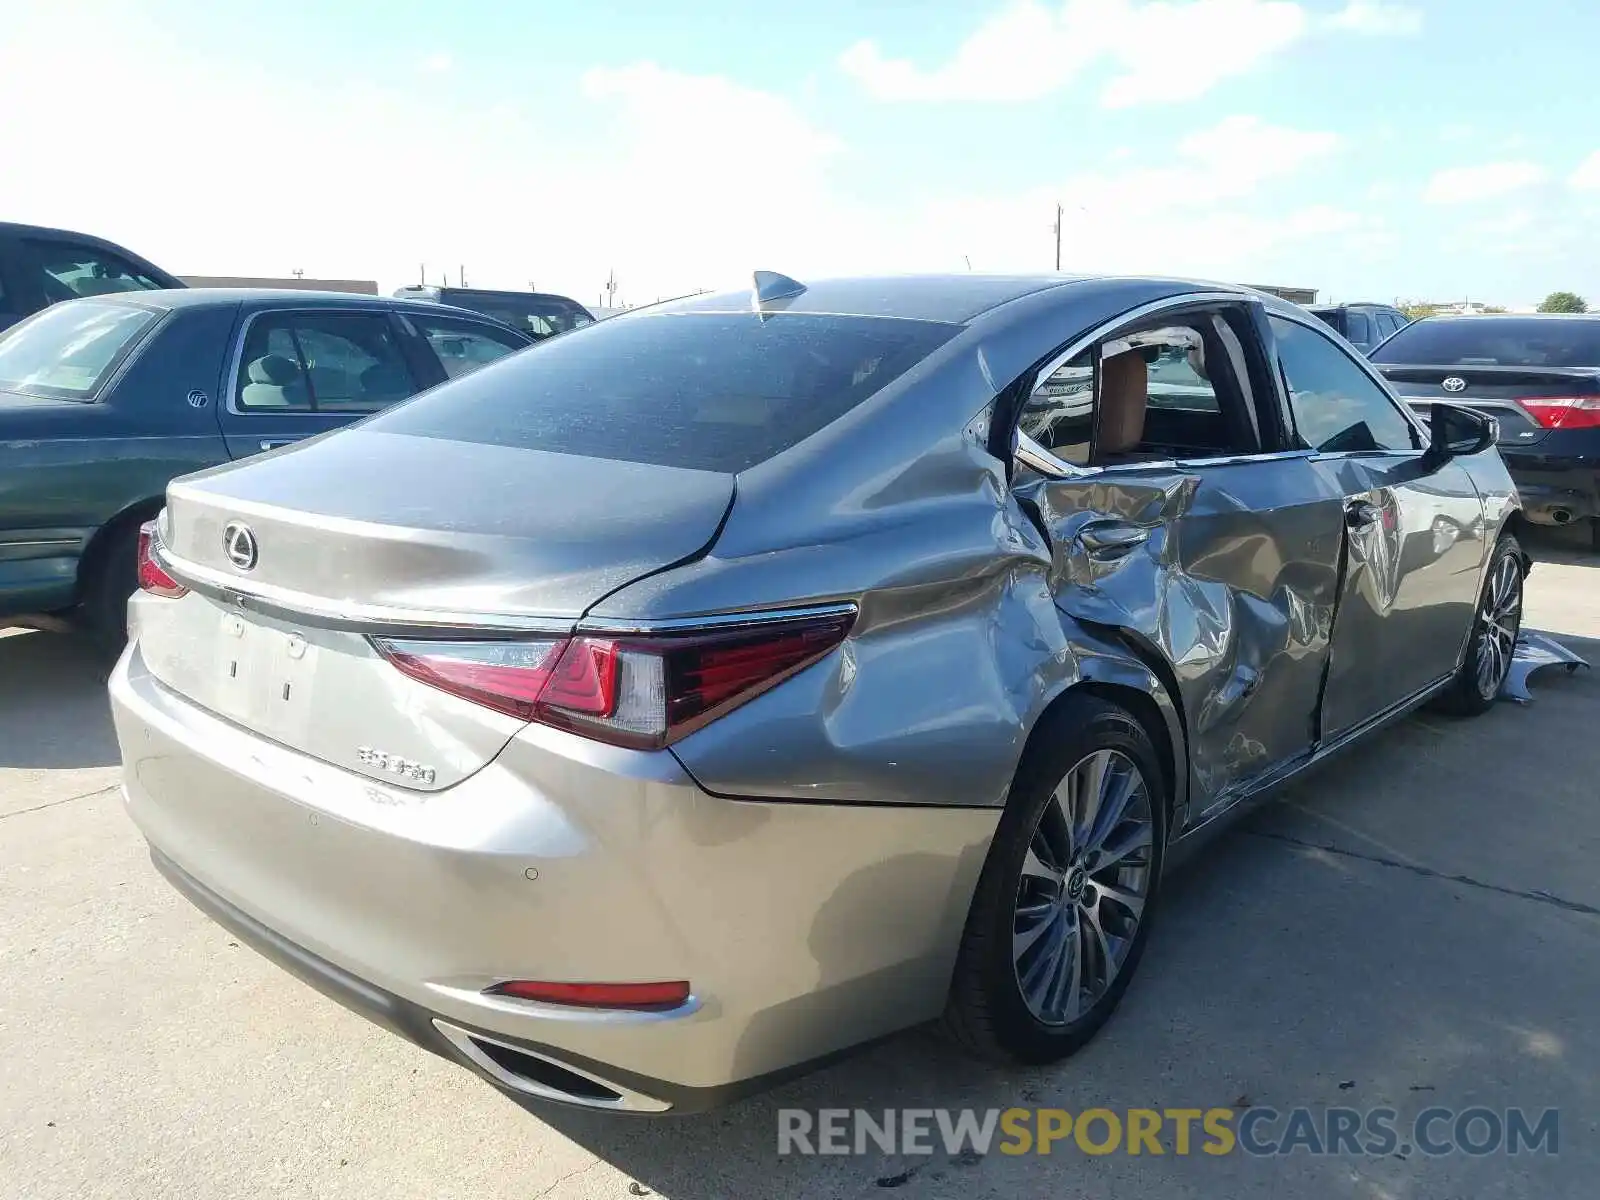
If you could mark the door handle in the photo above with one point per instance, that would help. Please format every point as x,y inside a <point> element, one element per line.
<point>1358,514</point>
<point>1108,539</point>
<point>274,443</point>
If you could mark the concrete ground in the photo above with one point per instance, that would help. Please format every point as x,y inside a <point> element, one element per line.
<point>1416,926</point>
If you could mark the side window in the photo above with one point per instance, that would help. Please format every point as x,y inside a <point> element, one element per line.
<point>71,270</point>
<point>463,346</point>
<point>1152,393</point>
<point>1060,413</point>
<point>1337,407</point>
<point>1357,329</point>
<point>321,362</point>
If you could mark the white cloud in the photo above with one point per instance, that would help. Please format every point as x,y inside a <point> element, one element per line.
<point>1485,181</point>
<point>1587,177</point>
<point>1158,50</point>
<point>1382,20</point>
<point>677,181</point>
<point>437,64</point>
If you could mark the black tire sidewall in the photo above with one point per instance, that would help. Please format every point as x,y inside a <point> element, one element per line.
<point>112,585</point>
<point>1076,730</point>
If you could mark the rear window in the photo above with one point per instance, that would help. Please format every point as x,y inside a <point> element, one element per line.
<point>710,392</point>
<point>1496,342</point>
<point>67,352</point>
<point>538,316</point>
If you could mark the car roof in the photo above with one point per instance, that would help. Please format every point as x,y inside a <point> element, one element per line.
<point>182,298</point>
<point>13,229</point>
<point>952,299</point>
<point>507,293</point>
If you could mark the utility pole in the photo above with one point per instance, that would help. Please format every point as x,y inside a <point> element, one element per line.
<point>1058,237</point>
<point>461,274</point>
<point>422,274</point>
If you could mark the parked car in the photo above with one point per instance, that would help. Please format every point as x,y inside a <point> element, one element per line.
<point>40,267</point>
<point>718,688</point>
<point>1538,377</point>
<point>538,314</point>
<point>103,401</point>
<point>1364,326</point>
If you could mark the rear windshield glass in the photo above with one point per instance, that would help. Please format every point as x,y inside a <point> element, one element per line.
<point>1496,342</point>
<point>66,352</point>
<point>711,392</point>
<point>537,316</point>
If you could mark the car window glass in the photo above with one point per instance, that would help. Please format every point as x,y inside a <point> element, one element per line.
<point>67,352</point>
<point>321,362</point>
<point>72,270</point>
<point>1356,328</point>
<point>1337,406</point>
<point>462,346</point>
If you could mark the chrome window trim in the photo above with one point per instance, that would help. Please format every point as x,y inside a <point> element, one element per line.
<point>1030,452</point>
<point>1372,373</point>
<point>237,358</point>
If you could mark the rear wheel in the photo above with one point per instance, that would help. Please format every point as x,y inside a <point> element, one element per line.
<point>1063,907</point>
<point>1594,534</point>
<point>1494,635</point>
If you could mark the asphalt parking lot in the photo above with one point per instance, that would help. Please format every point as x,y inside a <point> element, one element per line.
<point>1418,925</point>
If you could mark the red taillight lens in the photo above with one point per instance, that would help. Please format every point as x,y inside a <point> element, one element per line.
<point>644,691</point>
<point>597,995</point>
<point>152,578</point>
<point>1563,412</point>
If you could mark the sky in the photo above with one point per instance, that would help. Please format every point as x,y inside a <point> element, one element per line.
<point>1433,149</point>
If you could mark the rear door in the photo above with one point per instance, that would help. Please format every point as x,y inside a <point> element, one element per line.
<point>17,298</point>
<point>301,372</point>
<point>1224,557</point>
<point>1416,537</point>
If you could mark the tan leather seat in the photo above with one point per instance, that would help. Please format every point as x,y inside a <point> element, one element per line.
<point>1124,396</point>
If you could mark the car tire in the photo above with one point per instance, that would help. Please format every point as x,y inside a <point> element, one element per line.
<point>112,580</point>
<point>1594,535</point>
<point>1000,1008</point>
<point>1495,626</point>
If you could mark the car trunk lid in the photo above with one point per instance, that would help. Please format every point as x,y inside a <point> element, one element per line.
<point>1496,391</point>
<point>364,532</point>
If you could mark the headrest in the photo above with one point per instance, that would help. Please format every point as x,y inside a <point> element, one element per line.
<point>274,369</point>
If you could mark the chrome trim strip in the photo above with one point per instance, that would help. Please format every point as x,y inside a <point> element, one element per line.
<point>348,616</point>
<point>717,622</point>
<point>5,545</point>
<point>465,1042</point>
<point>474,991</point>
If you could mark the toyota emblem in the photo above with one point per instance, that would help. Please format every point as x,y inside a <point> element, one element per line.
<point>239,544</point>
<point>1454,384</point>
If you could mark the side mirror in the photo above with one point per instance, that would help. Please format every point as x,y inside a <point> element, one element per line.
<point>1457,432</point>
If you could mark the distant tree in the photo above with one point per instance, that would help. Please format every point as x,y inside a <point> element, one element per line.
<point>1415,310</point>
<point>1494,308</point>
<point>1564,302</point>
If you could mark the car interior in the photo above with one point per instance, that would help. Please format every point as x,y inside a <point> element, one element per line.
<point>1149,394</point>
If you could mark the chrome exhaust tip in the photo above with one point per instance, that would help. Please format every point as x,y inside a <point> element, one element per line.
<point>1561,516</point>
<point>523,1070</point>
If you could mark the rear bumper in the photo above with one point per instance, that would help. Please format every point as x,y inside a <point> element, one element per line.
<point>1561,483</point>
<point>804,929</point>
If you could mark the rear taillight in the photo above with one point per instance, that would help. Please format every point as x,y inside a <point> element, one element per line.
<point>1563,412</point>
<point>633,690</point>
<point>152,578</point>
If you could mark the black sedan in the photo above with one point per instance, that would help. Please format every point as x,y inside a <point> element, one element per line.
<point>1539,376</point>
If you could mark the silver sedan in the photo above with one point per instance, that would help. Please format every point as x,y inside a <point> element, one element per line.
<point>702,693</point>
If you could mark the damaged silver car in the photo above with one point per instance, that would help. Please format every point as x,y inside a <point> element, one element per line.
<point>710,690</point>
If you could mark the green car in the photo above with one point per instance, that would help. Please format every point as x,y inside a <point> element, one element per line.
<point>104,400</point>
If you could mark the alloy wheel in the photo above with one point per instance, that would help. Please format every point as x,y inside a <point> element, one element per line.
<point>1500,617</point>
<point>1083,889</point>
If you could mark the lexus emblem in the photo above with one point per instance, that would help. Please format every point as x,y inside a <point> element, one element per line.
<point>1454,384</point>
<point>239,544</point>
